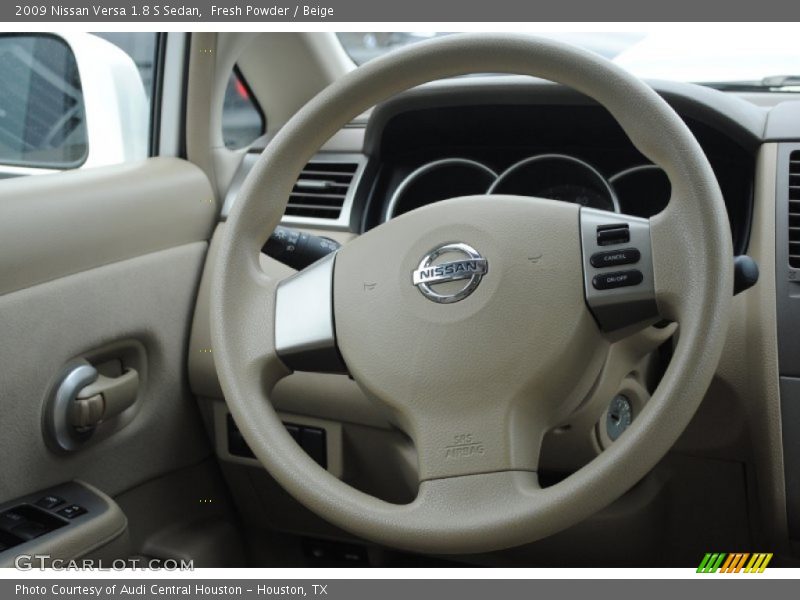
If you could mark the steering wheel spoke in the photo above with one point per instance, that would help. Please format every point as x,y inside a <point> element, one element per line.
<point>305,336</point>
<point>496,435</point>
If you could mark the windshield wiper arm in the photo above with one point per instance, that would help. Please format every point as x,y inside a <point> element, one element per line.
<point>789,83</point>
<point>781,81</point>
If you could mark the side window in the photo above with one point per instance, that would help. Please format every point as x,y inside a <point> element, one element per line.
<point>74,100</point>
<point>242,118</point>
<point>42,120</point>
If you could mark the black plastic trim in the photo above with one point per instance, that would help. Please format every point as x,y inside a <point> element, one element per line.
<point>790,419</point>
<point>253,99</point>
<point>187,50</point>
<point>741,120</point>
<point>787,288</point>
<point>156,94</point>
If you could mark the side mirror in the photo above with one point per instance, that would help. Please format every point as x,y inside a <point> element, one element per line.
<point>68,101</point>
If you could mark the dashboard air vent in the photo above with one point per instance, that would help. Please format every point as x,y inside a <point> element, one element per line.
<point>321,189</point>
<point>794,209</point>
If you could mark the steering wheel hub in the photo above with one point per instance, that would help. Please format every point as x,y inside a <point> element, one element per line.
<point>442,280</point>
<point>519,353</point>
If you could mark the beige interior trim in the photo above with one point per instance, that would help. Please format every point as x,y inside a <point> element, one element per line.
<point>199,103</point>
<point>319,56</point>
<point>94,219</point>
<point>503,508</point>
<point>750,357</point>
<point>145,301</point>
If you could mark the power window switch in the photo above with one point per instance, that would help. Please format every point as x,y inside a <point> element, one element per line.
<point>10,519</point>
<point>28,530</point>
<point>72,511</point>
<point>49,502</point>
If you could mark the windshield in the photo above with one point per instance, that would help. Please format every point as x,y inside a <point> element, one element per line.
<point>763,56</point>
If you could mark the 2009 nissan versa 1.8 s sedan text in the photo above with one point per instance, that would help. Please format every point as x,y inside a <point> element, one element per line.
<point>486,299</point>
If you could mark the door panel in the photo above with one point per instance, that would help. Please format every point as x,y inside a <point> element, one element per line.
<point>60,224</point>
<point>92,261</point>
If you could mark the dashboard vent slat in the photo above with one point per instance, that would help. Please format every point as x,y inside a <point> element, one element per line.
<point>321,189</point>
<point>794,209</point>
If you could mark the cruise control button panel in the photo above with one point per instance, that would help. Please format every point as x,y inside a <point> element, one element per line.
<point>617,296</point>
<point>618,279</point>
<point>615,258</point>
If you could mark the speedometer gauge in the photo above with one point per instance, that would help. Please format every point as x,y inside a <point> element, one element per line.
<point>557,177</point>
<point>551,176</point>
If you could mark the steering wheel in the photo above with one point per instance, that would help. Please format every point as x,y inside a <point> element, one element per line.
<point>479,322</point>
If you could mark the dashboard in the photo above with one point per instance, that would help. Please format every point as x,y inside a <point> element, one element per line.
<point>520,136</point>
<point>570,152</point>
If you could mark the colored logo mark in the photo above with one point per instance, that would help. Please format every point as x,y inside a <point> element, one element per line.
<point>738,562</point>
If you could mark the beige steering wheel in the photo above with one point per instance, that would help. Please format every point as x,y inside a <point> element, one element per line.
<point>475,381</point>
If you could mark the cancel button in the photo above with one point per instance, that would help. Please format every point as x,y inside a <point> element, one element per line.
<point>609,281</point>
<point>612,258</point>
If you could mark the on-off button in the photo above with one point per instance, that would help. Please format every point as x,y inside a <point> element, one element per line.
<point>610,281</point>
